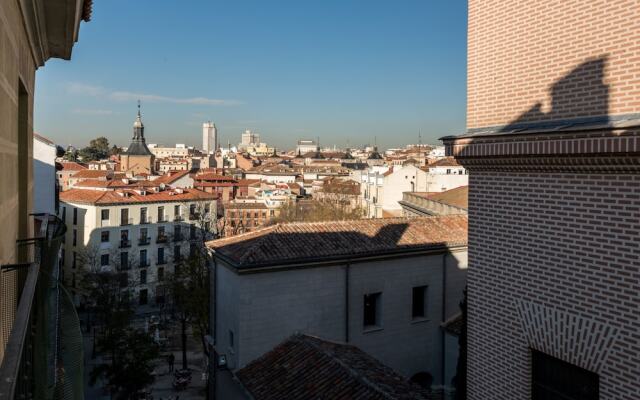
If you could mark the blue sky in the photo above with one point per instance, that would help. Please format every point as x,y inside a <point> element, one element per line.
<point>343,70</point>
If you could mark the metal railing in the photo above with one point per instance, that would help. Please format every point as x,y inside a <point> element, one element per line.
<point>43,357</point>
<point>144,241</point>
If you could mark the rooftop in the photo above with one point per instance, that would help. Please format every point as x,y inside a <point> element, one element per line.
<point>128,196</point>
<point>458,197</point>
<point>306,367</point>
<point>310,242</point>
<point>445,162</point>
<point>72,166</point>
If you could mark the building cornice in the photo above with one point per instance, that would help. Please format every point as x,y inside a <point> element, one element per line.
<point>602,150</point>
<point>52,27</point>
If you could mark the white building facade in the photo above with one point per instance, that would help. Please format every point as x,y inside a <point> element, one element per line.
<point>209,137</point>
<point>144,234</point>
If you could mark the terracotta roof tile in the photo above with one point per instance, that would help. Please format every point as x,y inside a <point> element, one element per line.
<point>98,197</point>
<point>93,173</point>
<point>171,177</point>
<point>72,166</point>
<point>323,241</point>
<point>458,197</point>
<point>305,367</point>
<point>445,162</point>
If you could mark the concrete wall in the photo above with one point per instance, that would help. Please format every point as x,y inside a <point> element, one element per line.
<point>44,177</point>
<point>273,305</point>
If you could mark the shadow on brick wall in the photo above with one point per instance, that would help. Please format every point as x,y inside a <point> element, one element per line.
<point>580,95</point>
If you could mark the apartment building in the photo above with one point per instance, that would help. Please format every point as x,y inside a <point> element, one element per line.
<point>382,187</point>
<point>385,286</point>
<point>142,231</point>
<point>552,150</point>
<point>445,174</point>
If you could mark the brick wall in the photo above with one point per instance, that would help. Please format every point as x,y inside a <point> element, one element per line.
<point>554,267</point>
<point>549,60</point>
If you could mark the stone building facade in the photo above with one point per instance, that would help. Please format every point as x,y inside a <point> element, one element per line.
<point>552,149</point>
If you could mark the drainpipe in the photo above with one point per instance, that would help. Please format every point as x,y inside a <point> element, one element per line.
<point>346,301</point>
<point>444,316</point>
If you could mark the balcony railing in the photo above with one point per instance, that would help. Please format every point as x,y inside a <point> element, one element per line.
<point>161,239</point>
<point>178,218</point>
<point>126,221</point>
<point>162,218</point>
<point>43,357</point>
<point>145,220</point>
<point>124,243</point>
<point>144,241</point>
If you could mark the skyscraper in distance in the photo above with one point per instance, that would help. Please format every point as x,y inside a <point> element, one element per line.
<point>209,137</point>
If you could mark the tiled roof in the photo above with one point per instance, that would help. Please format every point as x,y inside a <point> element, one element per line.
<point>95,173</point>
<point>170,177</point>
<point>445,162</point>
<point>98,197</point>
<point>324,241</point>
<point>72,166</point>
<point>247,182</point>
<point>458,197</point>
<point>114,183</point>
<point>213,177</point>
<point>305,367</point>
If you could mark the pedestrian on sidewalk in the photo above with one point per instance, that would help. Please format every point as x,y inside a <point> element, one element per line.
<point>171,359</point>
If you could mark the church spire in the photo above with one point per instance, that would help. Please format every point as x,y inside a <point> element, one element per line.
<point>138,127</point>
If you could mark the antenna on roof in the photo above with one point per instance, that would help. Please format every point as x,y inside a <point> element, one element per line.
<point>138,107</point>
<point>419,138</point>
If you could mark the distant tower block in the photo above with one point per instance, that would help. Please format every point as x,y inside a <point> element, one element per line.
<point>209,137</point>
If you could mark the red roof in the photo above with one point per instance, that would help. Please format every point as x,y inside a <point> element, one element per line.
<point>99,197</point>
<point>96,173</point>
<point>72,166</point>
<point>170,177</point>
<point>305,367</point>
<point>283,244</point>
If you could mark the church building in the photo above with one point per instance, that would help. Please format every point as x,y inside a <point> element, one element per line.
<point>138,158</point>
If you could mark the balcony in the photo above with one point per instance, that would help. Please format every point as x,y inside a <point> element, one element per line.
<point>124,243</point>
<point>161,239</point>
<point>43,357</point>
<point>144,264</point>
<point>126,221</point>
<point>178,218</point>
<point>145,220</point>
<point>162,218</point>
<point>143,241</point>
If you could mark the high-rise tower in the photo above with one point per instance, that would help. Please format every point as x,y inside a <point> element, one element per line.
<point>209,137</point>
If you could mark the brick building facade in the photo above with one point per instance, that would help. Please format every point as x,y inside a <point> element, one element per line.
<point>552,148</point>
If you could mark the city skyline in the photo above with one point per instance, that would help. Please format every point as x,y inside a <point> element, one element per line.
<point>341,72</point>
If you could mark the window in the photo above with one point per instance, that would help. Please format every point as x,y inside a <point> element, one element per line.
<point>192,250</point>
<point>176,211</point>
<point>160,274</point>
<point>554,379</point>
<point>177,235</point>
<point>74,259</point>
<point>176,253</point>
<point>104,236</point>
<point>104,215</point>
<point>75,237</point>
<point>143,234</point>
<point>75,215</point>
<point>143,297</point>
<point>104,260</point>
<point>160,255</point>
<point>372,309</point>
<point>143,258</point>
<point>124,260</point>
<point>231,339</point>
<point>419,302</point>
<point>143,215</point>
<point>160,214</point>
<point>143,276</point>
<point>124,216</point>
<point>192,231</point>
<point>64,214</point>
<point>192,211</point>
<point>161,235</point>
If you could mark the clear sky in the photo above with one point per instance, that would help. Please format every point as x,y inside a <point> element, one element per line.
<point>343,70</point>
